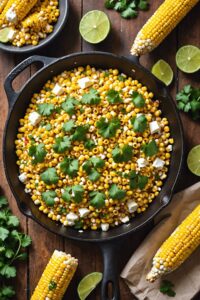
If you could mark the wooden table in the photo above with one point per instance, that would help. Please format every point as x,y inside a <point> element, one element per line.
<point>119,41</point>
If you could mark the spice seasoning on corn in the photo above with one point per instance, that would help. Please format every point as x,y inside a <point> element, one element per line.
<point>28,22</point>
<point>93,148</point>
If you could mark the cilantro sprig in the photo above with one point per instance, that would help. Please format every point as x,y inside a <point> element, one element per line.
<point>38,153</point>
<point>150,149</point>
<point>116,193</point>
<point>139,123</point>
<point>69,166</point>
<point>49,197</point>
<point>62,144</point>
<point>108,128</point>
<point>137,180</point>
<point>91,167</point>
<point>70,105</point>
<point>92,97</point>
<point>138,99</point>
<point>46,109</point>
<point>113,97</point>
<point>12,248</point>
<point>123,154</point>
<point>50,176</point>
<point>73,193</point>
<point>166,287</point>
<point>97,199</point>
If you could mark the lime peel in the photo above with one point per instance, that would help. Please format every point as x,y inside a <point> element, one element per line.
<point>5,34</point>
<point>188,59</point>
<point>162,70</point>
<point>88,284</point>
<point>193,160</point>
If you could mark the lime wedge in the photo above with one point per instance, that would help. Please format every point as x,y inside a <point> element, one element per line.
<point>88,284</point>
<point>163,71</point>
<point>193,160</point>
<point>4,34</point>
<point>94,26</point>
<point>188,59</point>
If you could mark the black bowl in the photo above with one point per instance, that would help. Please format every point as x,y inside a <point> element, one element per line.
<point>58,26</point>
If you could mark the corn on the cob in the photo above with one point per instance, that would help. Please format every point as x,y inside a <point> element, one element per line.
<point>56,277</point>
<point>2,5</point>
<point>178,247</point>
<point>37,21</point>
<point>16,10</point>
<point>164,20</point>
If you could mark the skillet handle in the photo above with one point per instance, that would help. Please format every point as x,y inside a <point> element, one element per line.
<point>111,273</point>
<point>10,92</point>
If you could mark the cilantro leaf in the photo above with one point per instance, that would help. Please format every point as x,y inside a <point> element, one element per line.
<point>150,149</point>
<point>138,99</point>
<point>139,123</point>
<point>9,253</point>
<point>91,165</point>
<point>129,13</point>
<point>116,193</point>
<point>94,175</point>
<point>69,106</point>
<point>50,176</point>
<point>78,224</point>
<point>106,128</point>
<point>89,144</point>
<point>113,97</point>
<point>13,221</point>
<point>3,201</point>
<point>120,5</point>
<point>87,166</point>
<point>121,78</point>
<point>49,197</point>
<point>73,193</point>
<point>97,199</point>
<point>3,233</point>
<point>91,98</point>
<point>8,271</point>
<point>38,153</point>
<point>123,154</point>
<point>109,4</point>
<point>80,133</point>
<point>25,240</point>
<point>7,292</point>
<point>46,109</point>
<point>137,180</point>
<point>62,144</point>
<point>69,166</point>
<point>52,285</point>
<point>143,4</point>
<point>68,126</point>
<point>97,162</point>
<point>166,288</point>
<point>142,181</point>
<point>48,127</point>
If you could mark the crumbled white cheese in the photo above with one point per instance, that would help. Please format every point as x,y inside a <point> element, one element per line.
<point>85,82</point>
<point>125,219</point>
<point>71,217</point>
<point>142,162</point>
<point>11,34</point>
<point>37,202</point>
<point>104,226</point>
<point>27,191</point>
<point>139,114</point>
<point>154,127</point>
<point>169,147</point>
<point>158,163</point>
<point>11,15</point>
<point>57,90</point>
<point>23,177</point>
<point>34,118</point>
<point>132,206</point>
<point>83,212</point>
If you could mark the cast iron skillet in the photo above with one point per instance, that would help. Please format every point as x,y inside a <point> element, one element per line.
<point>18,102</point>
<point>58,26</point>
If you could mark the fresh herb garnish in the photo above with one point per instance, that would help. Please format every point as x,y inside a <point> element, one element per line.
<point>49,197</point>
<point>123,154</point>
<point>80,133</point>
<point>92,97</point>
<point>73,193</point>
<point>69,106</point>
<point>108,128</point>
<point>166,288</point>
<point>139,123</point>
<point>138,99</point>
<point>91,166</point>
<point>50,176</point>
<point>89,144</point>
<point>69,166</point>
<point>52,285</point>
<point>46,109</point>
<point>113,97</point>
<point>48,127</point>
<point>78,224</point>
<point>12,246</point>
<point>62,144</point>
<point>97,199</point>
<point>150,149</point>
<point>137,180</point>
<point>188,100</point>
<point>68,126</point>
<point>38,153</point>
<point>116,193</point>
<point>121,78</point>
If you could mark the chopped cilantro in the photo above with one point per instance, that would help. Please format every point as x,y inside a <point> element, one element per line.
<point>68,126</point>
<point>123,154</point>
<point>110,4</point>
<point>80,133</point>
<point>50,176</point>
<point>73,193</point>
<point>121,78</point>
<point>91,166</point>
<point>38,153</point>
<point>129,13</point>
<point>137,180</point>
<point>62,144</point>
<point>120,5</point>
<point>108,128</point>
<point>92,97</point>
<point>166,287</point>
<point>97,162</point>
<point>113,97</point>
<point>69,166</point>
<point>49,197</point>
<point>107,73</point>
<point>48,127</point>
<point>138,99</point>
<point>116,193</point>
<point>89,144</point>
<point>69,105</point>
<point>139,123</point>
<point>97,199</point>
<point>150,149</point>
<point>46,109</point>
<point>94,175</point>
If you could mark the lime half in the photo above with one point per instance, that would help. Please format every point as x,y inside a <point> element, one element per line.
<point>94,26</point>
<point>88,284</point>
<point>4,34</point>
<point>188,59</point>
<point>163,71</point>
<point>193,160</point>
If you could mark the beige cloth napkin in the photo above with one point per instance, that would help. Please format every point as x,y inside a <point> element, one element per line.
<point>187,277</point>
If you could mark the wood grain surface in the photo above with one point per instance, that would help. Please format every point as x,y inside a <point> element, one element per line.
<point>119,41</point>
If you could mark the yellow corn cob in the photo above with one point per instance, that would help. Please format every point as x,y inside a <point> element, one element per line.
<point>36,20</point>
<point>56,277</point>
<point>164,20</point>
<point>178,247</point>
<point>2,5</point>
<point>16,10</point>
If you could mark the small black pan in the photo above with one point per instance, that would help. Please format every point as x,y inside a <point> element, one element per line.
<point>58,26</point>
<point>18,102</point>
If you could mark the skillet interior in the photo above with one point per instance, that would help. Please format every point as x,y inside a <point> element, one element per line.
<point>101,60</point>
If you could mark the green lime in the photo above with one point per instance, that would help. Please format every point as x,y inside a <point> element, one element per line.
<point>163,71</point>
<point>188,59</point>
<point>193,160</point>
<point>94,26</point>
<point>4,34</point>
<point>88,284</point>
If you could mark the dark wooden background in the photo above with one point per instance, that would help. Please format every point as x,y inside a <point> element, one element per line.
<point>119,41</point>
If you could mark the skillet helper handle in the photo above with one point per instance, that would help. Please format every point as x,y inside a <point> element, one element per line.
<point>10,92</point>
<point>111,273</point>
